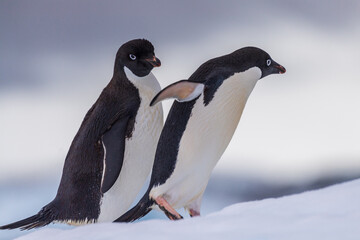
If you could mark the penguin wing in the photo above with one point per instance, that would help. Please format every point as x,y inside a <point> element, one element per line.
<point>182,91</point>
<point>114,146</point>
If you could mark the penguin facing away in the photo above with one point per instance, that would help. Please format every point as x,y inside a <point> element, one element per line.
<point>198,129</point>
<point>112,153</point>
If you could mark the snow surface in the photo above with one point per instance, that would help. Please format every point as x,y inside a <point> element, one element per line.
<point>329,213</point>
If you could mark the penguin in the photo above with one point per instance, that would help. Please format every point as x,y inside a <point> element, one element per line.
<point>198,129</point>
<point>113,152</point>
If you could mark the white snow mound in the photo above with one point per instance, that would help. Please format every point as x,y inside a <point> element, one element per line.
<point>329,213</point>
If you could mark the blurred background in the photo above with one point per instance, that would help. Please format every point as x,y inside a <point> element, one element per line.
<point>299,131</point>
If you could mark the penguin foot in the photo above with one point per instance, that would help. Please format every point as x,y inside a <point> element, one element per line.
<point>169,211</point>
<point>194,213</point>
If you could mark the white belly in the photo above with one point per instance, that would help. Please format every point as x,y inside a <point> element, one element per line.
<point>139,154</point>
<point>208,133</point>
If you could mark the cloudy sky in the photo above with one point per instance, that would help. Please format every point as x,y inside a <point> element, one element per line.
<point>56,56</point>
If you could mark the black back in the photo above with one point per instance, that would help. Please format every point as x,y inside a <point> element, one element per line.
<point>166,155</point>
<point>79,193</point>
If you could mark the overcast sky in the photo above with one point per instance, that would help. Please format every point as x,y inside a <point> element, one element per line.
<point>56,56</point>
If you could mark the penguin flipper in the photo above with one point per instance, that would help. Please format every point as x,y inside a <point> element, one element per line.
<point>182,91</point>
<point>114,146</point>
<point>138,211</point>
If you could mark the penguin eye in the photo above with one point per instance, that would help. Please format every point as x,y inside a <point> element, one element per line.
<point>132,57</point>
<point>268,62</point>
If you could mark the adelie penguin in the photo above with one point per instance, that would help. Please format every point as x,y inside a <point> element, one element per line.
<point>198,129</point>
<point>113,152</point>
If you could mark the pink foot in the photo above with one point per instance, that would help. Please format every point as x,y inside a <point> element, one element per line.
<point>170,212</point>
<point>194,213</point>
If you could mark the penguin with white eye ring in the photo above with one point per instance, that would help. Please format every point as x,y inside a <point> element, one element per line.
<point>198,129</point>
<point>113,152</point>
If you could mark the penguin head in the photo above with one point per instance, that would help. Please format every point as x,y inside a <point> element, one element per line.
<point>138,56</point>
<point>239,61</point>
<point>255,57</point>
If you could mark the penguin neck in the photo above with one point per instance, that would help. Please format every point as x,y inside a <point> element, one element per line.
<point>119,76</point>
<point>148,82</point>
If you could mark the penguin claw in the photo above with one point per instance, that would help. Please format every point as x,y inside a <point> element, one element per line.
<point>169,211</point>
<point>172,217</point>
<point>194,213</point>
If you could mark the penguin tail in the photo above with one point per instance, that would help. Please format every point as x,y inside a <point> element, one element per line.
<point>41,219</point>
<point>138,211</point>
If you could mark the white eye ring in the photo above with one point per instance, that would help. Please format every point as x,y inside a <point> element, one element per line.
<point>268,62</point>
<point>132,57</point>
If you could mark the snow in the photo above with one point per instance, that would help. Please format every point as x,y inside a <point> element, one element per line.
<point>329,213</point>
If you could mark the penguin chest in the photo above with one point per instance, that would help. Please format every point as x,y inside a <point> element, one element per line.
<point>207,134</point>
<point>138,158</point>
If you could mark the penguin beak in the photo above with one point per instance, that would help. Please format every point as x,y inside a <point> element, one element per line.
<point>154,61</point>
<point>280,68</point>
